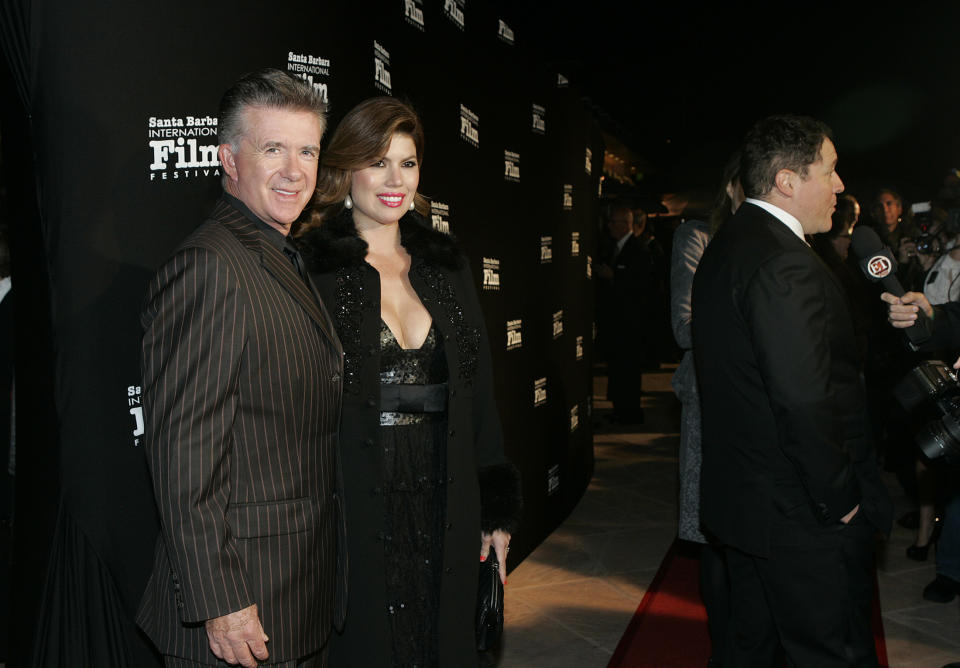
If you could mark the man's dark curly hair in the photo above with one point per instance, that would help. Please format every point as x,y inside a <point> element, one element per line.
<point>779,142</point>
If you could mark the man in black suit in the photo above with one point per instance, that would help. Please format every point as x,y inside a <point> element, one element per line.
<point>242,379</point>
<point>790,486</point>
<point>625,274</point>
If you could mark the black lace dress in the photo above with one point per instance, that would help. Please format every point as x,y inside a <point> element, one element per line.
<point>413,434</point>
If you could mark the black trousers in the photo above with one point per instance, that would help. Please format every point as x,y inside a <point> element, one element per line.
<point>811,599</point>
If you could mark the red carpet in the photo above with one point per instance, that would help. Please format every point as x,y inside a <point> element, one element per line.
<point>669,628</point>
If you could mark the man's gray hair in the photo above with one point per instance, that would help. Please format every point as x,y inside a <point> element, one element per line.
<point>268,88</point>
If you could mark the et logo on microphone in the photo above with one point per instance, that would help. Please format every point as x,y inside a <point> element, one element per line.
<point>879,266</point>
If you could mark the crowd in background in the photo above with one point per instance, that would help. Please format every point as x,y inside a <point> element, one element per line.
<point>645,272</point>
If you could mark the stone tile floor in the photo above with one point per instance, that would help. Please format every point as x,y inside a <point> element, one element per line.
<point>570,601</point>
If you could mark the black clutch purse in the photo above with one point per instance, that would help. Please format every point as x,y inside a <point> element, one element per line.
<point>489,603</point>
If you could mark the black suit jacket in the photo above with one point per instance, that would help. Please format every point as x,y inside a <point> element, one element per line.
<point>623,297</point>
<point>242,378</point>
<point>785,431</point>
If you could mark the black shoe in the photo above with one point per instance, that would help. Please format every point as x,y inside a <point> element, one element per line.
<point>955,664</point>
<point>919,552</point>
<point>941,590</point>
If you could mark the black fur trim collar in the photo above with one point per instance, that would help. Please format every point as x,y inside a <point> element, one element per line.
<point>336,244</point>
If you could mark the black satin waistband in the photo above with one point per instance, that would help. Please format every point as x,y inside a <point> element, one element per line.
<point>404,398</point>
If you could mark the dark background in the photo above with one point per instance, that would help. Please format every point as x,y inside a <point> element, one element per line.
<point>681,82</point>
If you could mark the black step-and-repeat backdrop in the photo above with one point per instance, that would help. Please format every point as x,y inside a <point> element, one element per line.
<point>122,101</point>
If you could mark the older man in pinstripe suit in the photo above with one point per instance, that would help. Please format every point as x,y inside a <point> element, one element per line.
<point>242,377</point>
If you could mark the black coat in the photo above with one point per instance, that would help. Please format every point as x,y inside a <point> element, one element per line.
<point>482,486</point>
<point>785,430</point>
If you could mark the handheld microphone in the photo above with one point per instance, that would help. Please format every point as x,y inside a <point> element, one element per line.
<point>878,265</point>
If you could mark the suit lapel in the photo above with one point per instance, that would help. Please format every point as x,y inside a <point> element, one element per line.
<point>278,266</point>
<point>788,239</point>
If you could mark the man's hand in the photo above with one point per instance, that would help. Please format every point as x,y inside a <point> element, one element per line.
<point>902,311</point>
<point>849,516</point>
<point>238,637</point>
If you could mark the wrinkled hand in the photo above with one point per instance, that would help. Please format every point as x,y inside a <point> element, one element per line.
<point>501,543</point>
<point>902,311</point>
<point>238,637</point>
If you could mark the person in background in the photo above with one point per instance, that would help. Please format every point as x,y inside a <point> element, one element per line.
<point>428,487</point>
<point>939,251</point>
<point>625,291</point>
<point>945,334</point>
<point>892,223</point>
<point>689,241</point>
<point>833,247</point>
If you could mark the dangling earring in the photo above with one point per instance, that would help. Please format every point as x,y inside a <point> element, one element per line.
<point>413,202</point>
<point>348,202</point>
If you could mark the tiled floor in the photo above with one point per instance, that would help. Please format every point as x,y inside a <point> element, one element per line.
<point>570,601</point>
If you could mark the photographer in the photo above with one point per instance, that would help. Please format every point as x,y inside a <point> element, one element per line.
<point>945,333</point>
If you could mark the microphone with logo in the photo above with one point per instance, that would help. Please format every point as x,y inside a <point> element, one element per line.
<point>878,265</point>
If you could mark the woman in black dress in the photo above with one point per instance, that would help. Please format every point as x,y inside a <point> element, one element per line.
<point>427,488</point>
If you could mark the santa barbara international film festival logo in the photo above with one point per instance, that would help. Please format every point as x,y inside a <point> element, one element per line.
<point>553,479</point>
<point>504,32</point>
<point>539,392</point>
<point>578,348</point>
<point>454,11</point>
<point>381,73</point>
<point>588,164</point>
<point>413,13</point>
<point>574,418</point>
<point>440,216</point>
<point>315,70</point>
<point>511,166</point>
<point>514,334</point>
<point>539,119</point>
<point>182,147</point>
<point>567,197</point>
<point>558,324</point>
<point>135,404</point>
<point>469,127</point>
<point>574,244</point>
<point>879,266</point>
<point>491,273</point>
<point>546,250</point>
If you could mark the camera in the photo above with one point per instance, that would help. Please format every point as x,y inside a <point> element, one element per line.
<point>927,243</point>
<point>934,386</point>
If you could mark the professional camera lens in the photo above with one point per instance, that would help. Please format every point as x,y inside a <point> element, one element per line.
<point>941,438</point>
<point>934,385</point>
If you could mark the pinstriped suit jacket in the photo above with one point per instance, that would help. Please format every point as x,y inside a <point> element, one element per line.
<point>242,378</point>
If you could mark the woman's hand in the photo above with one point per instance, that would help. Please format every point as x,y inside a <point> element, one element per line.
<point>501,543</point>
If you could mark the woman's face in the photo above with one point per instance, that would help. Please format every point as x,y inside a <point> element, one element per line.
<point>382,192</point>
